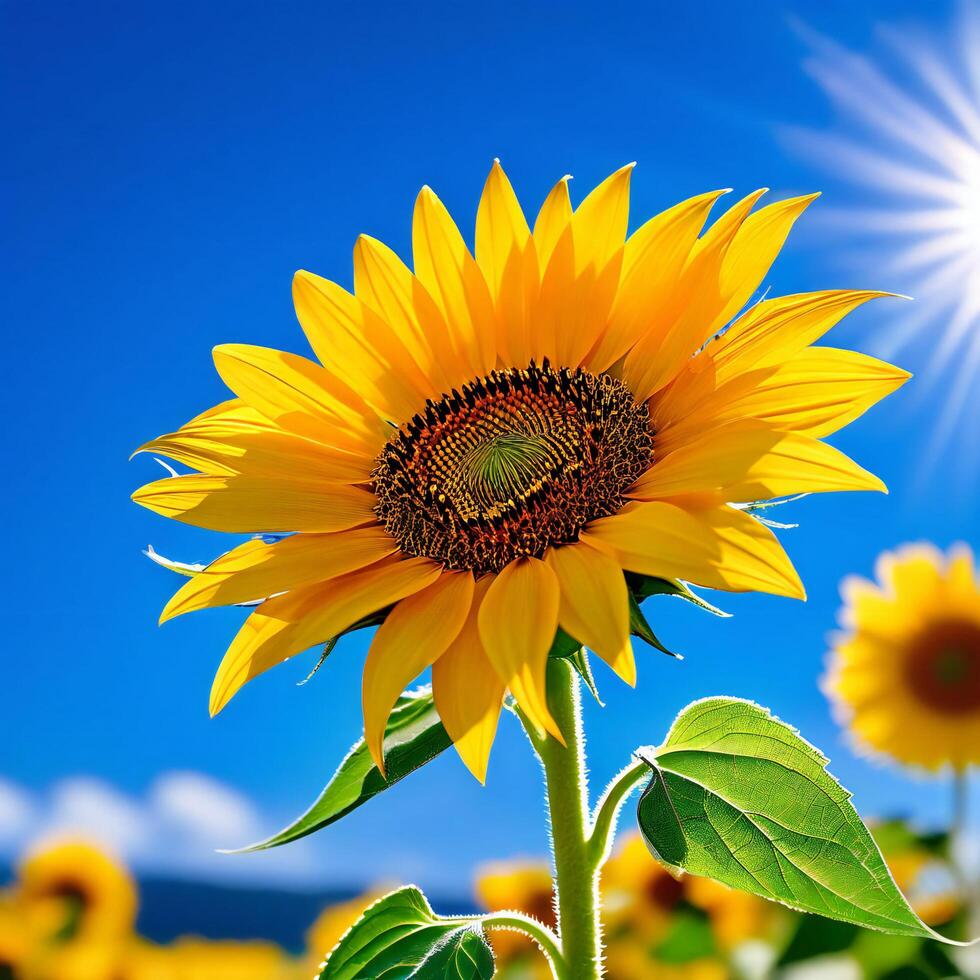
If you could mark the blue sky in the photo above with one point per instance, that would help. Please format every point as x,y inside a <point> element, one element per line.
<point>170,166</point>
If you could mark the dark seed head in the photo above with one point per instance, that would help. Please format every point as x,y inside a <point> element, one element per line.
<point>515,462</point>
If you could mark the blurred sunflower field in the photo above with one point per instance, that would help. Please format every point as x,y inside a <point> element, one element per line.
<point>70,914</point>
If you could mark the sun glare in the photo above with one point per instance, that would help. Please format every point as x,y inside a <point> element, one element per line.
<point>907,140</point>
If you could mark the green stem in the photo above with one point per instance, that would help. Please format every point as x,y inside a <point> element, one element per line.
<point>541,934</point>
<point>608,807</point>
<point>576,870</point>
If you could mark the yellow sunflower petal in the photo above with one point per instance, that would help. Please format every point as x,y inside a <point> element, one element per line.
<point>654,257</point>
<point>517,621</point>
<point>350,340</point>
<point>516,302</point>
<point>581,277</point>
<point>232,410</point>
<point>501,228</point>
<point>684,324</point>
<point>553,300</point>
<point>599,222</point>
<point>753,251</point>
<point>444,266</point>
<point>913,573</point>
<point>747,462</point>
<point>877,613</point>
<point>504,253</point>
<point>822,389</point>
<point>717,547</point>
<point>777,329</point>
<point>817,392</point>
<point>294,622</point>
<point>414,635</point>
<point>258,452</point>
<point>961,574</point>
<point>246,505</point>
<point>299,396</point>
<point>594,604</point>
<point>552,220</point>
<point>256,570</point>
<point>386,284</point>
<point>571,308</point>
<point>468,692</point>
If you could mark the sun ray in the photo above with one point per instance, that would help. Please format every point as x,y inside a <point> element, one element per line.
<point>908,142</point>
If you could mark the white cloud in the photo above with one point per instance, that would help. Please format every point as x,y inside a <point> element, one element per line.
<point>175,828</point>
<point>204,809</point>
<point>89,808</point>
<point>16,811</point>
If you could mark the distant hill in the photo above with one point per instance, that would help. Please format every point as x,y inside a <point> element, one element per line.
<point>171,907</point>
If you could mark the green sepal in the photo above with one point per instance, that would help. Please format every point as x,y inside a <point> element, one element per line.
<point>738,796</point>
<point>400,938</point>
<point>644,586</point>
<point>567,648</point>
<point>414,736</point>
<point>641,628</point>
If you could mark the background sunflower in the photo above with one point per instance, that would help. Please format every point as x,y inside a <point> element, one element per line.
<point>904,674</point>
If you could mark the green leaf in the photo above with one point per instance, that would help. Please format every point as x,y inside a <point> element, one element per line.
<point>465,955</point>
<point>641,628</point>
<point>401,938</point>
<point>414,736</point>
<point>739,796</point>
<point>644,586</point>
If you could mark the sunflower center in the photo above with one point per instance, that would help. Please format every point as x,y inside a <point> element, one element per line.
<point>514,462</point>
<point>943,666</point>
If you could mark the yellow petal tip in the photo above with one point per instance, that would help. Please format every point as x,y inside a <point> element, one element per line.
<point>377,756</point>
<point>479,773</point>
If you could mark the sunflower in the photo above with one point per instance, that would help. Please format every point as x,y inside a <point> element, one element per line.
<point>72,890</point>
<point>199,959</point>
<point>904,674</point>
<point>640,897</point>
<point>14,940</point>
<point>488,442</point>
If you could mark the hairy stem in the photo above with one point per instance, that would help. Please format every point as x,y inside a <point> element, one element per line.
<point>576,871</point>
<point>609,805</point>
<point>541,934</point>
